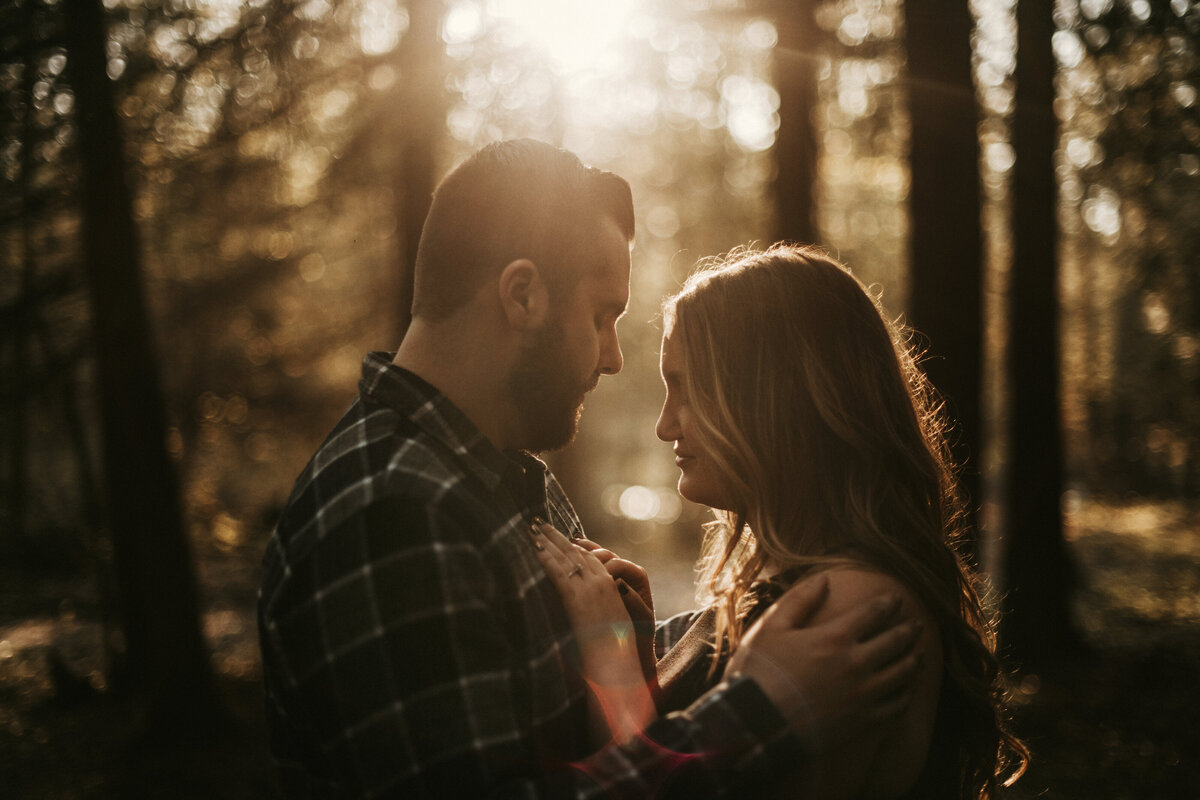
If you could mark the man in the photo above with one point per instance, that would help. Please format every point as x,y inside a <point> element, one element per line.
<point>412,644</point>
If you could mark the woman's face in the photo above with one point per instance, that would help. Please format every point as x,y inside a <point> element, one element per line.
<point>699,479</point>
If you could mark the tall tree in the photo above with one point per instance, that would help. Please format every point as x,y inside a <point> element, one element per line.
<point>945,300</point>
<point>1037,566</point>
<point>19,317</point>
<point>164,651</point>
<point>796,146</point>
<point>423,110</point>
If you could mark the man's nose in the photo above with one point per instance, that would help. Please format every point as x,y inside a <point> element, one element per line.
<point>611,359</point>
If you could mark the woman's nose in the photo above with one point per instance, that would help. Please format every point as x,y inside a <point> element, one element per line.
<point>666,427</point>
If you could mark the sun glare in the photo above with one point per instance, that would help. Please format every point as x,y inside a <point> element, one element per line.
<point>576,33</point>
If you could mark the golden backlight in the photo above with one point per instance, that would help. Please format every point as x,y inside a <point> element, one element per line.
<point>575,33</point>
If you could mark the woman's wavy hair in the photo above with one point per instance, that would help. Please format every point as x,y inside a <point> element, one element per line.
<point>832,442</point>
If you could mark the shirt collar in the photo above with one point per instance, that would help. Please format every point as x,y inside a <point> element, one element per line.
<point>408,394</point>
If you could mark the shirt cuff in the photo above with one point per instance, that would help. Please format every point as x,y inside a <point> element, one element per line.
<point>736,716</point>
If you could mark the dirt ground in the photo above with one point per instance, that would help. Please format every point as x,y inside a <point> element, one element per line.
<point>1121,723</point>
<point>1118,724</point>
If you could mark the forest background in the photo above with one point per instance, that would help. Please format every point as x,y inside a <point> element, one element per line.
<point>209,208</point>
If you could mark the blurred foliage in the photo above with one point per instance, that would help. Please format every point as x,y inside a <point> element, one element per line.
<point>862,125</point>
<point>1130,170</point>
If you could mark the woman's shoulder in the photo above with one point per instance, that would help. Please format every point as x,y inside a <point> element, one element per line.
<point>850,582</point>
<point>853,584</point>
<point>847,575</point>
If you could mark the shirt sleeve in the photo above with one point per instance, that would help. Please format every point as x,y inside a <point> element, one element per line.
<point>668,632</point>
<point>732,742</point>
<point>393,660</point>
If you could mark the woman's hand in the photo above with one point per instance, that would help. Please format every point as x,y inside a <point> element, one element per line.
<point>604,630</point>
<point>635,577</point>
<point>633,583</point>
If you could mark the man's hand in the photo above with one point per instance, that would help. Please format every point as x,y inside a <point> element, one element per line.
<point>835,679</point>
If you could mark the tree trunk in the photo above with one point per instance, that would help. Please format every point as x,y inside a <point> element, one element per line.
<point>164,651</point>
<point>422,120</point>
<point>1038,569</point>
<point>945,300</point>
<point>15,523</point>
<point>796,146</point>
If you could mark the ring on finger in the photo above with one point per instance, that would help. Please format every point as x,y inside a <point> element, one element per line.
<point>575,570</point>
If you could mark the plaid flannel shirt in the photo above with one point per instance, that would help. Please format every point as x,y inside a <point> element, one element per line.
<point>413,646</point>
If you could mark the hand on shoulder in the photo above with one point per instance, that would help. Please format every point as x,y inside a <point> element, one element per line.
<point>831,674</point>
<point>885,760</point>
<point>852,586</point>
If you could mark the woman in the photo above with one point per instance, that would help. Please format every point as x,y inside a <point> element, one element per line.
<point>798,414</point>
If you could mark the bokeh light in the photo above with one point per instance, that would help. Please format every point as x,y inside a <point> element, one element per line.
<point>576,33</point>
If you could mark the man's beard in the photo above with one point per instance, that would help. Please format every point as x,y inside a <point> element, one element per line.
<point>547,398</point>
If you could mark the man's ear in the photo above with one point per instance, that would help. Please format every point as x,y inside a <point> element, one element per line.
<point>524,295</point>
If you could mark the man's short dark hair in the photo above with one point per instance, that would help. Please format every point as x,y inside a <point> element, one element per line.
<point>511,200</point>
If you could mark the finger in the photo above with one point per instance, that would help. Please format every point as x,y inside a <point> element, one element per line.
<point>634,575</point>
<point>553,559</point>
<point>558,571</point>
<point>585,543</point>
<point>626,570</point>
<point>891,706</point>
<point>599,552</point>
<point>872,617</point>
<point>554,538</point>
<point>890,644</point>
<point>634,604</point>
<point>892,687</point>
<point>642,618</point>
<point>575,578</point>
<point>798,604</point>
<point>581,562</point>
<point>561,558</point>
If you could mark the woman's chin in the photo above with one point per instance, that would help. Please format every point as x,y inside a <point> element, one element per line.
<point>705,496</point>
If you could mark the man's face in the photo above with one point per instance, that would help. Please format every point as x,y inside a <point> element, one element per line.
<point>563,359</point>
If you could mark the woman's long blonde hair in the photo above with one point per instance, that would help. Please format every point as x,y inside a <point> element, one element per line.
<point>831,442</point>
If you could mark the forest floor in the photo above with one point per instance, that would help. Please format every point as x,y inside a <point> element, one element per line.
<point>1117,724</point>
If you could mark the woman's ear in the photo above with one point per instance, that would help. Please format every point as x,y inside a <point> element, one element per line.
<point>524,296</point>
